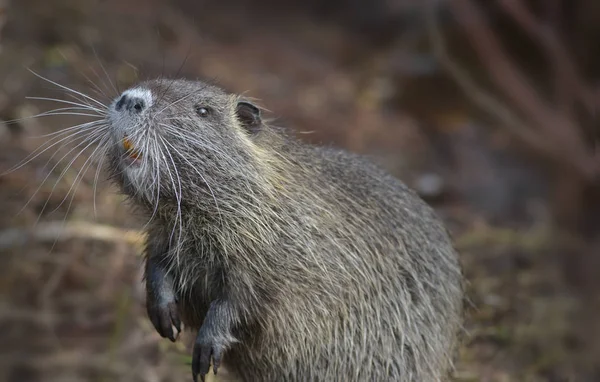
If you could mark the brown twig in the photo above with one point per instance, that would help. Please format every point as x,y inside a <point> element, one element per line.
<point>484,99</point>
<point>59,230</point>
<point>547,129</point>
<point>557,55</point>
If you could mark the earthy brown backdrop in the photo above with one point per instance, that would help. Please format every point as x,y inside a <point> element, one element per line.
<point>488,108</point>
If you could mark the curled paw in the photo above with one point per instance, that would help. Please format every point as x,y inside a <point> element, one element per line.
<point>165,318</point>
<point>207,348</point>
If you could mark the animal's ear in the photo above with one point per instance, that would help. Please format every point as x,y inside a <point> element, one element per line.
<point>249,116</point>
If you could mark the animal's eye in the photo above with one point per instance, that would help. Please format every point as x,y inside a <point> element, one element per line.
<point>202,111</point>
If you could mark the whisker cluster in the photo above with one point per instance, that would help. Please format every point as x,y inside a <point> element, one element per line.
<point>77,139</point>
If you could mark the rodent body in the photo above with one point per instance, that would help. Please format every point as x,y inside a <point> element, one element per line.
<point>293,262</point>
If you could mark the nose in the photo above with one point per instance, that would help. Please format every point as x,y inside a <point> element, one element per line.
<point>134,104</point>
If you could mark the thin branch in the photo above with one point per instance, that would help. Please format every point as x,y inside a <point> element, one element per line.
<point>554,135</point>
<point>59,230</point>
<point>556,52</point>
<point>479,96</point>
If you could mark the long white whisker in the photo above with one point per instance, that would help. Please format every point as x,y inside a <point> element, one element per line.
<point>70,129</point>
<point>68,89</point>
<point>155,173</point>
<point>88,162</point>
<point>44,114</point>
<point>156,177</point>
<point>84,101</point>
<point>96,89</point>
<point>199,174</point>
<point>66,214</point>
<point>179,100</point>
<point>50,173</point>
<point>106,73</point>
<point>177,196</point>
<point>83,104</point>
<point>98,169</point>
<point>196,142</point>
<point>102,82</point>
<point>36,154</point>
<point>51,113</point>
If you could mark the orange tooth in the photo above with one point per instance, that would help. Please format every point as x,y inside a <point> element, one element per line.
<point>131,151</point>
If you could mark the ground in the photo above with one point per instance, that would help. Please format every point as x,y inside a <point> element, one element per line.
<point>72,301</point>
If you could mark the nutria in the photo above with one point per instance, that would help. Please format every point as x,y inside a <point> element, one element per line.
<point>293,262</point>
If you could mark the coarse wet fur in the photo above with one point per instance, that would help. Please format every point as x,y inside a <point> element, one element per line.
<point>292,262</point>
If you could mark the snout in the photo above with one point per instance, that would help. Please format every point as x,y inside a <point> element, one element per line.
<point>128,119</point>
<point>134,101</point>
<point>134,104</point>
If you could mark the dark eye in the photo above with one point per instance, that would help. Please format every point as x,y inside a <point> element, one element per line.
<point>202,111</point>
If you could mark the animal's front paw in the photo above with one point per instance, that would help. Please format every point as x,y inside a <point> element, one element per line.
<point>208,345</point>
<point>165,318</point>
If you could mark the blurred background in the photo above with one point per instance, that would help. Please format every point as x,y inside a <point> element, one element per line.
<point>488,108</point>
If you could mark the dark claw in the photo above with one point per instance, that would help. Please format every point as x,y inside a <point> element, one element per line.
<point>164,317</point>
<point>204,349</point>
<point>175,316</point>
<point>216,359</point>
<point>201,357</point>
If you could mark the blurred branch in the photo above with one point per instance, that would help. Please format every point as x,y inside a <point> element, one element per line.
<point>59,230</point>
<point>547,130</point>
<point>565,69</point>
<point>472,90</point>
<point>538,238</point>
